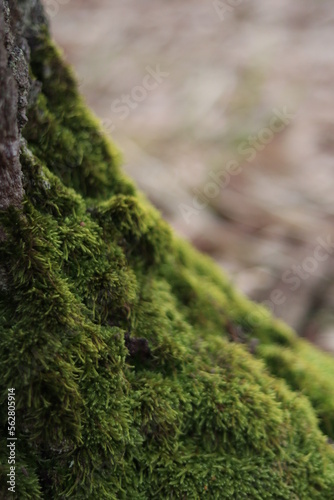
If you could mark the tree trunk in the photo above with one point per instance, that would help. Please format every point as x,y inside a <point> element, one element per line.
<point>11,190</point>
<point>136,368</point>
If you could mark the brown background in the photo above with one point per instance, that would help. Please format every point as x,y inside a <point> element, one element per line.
<point>226,76</point>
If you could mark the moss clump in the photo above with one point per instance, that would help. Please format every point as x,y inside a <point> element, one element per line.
<point>133,358</point>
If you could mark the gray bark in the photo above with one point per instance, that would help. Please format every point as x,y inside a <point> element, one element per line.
<point>20,23</point>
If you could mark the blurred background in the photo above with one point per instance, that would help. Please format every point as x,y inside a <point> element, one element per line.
<point>224,111</point>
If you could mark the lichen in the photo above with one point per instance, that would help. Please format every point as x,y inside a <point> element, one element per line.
<point>130,352</point>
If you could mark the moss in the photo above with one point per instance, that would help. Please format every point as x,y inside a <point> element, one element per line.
<point>65,135</point>
<point>133,357</point>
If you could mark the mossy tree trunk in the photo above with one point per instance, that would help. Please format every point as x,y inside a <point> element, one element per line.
<point>139,371</point>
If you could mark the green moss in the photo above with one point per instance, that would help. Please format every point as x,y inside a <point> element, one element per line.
<point>65,136</point>
<point>132,355</point>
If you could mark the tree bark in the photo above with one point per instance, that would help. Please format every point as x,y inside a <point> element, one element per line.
<point>18,25</point>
